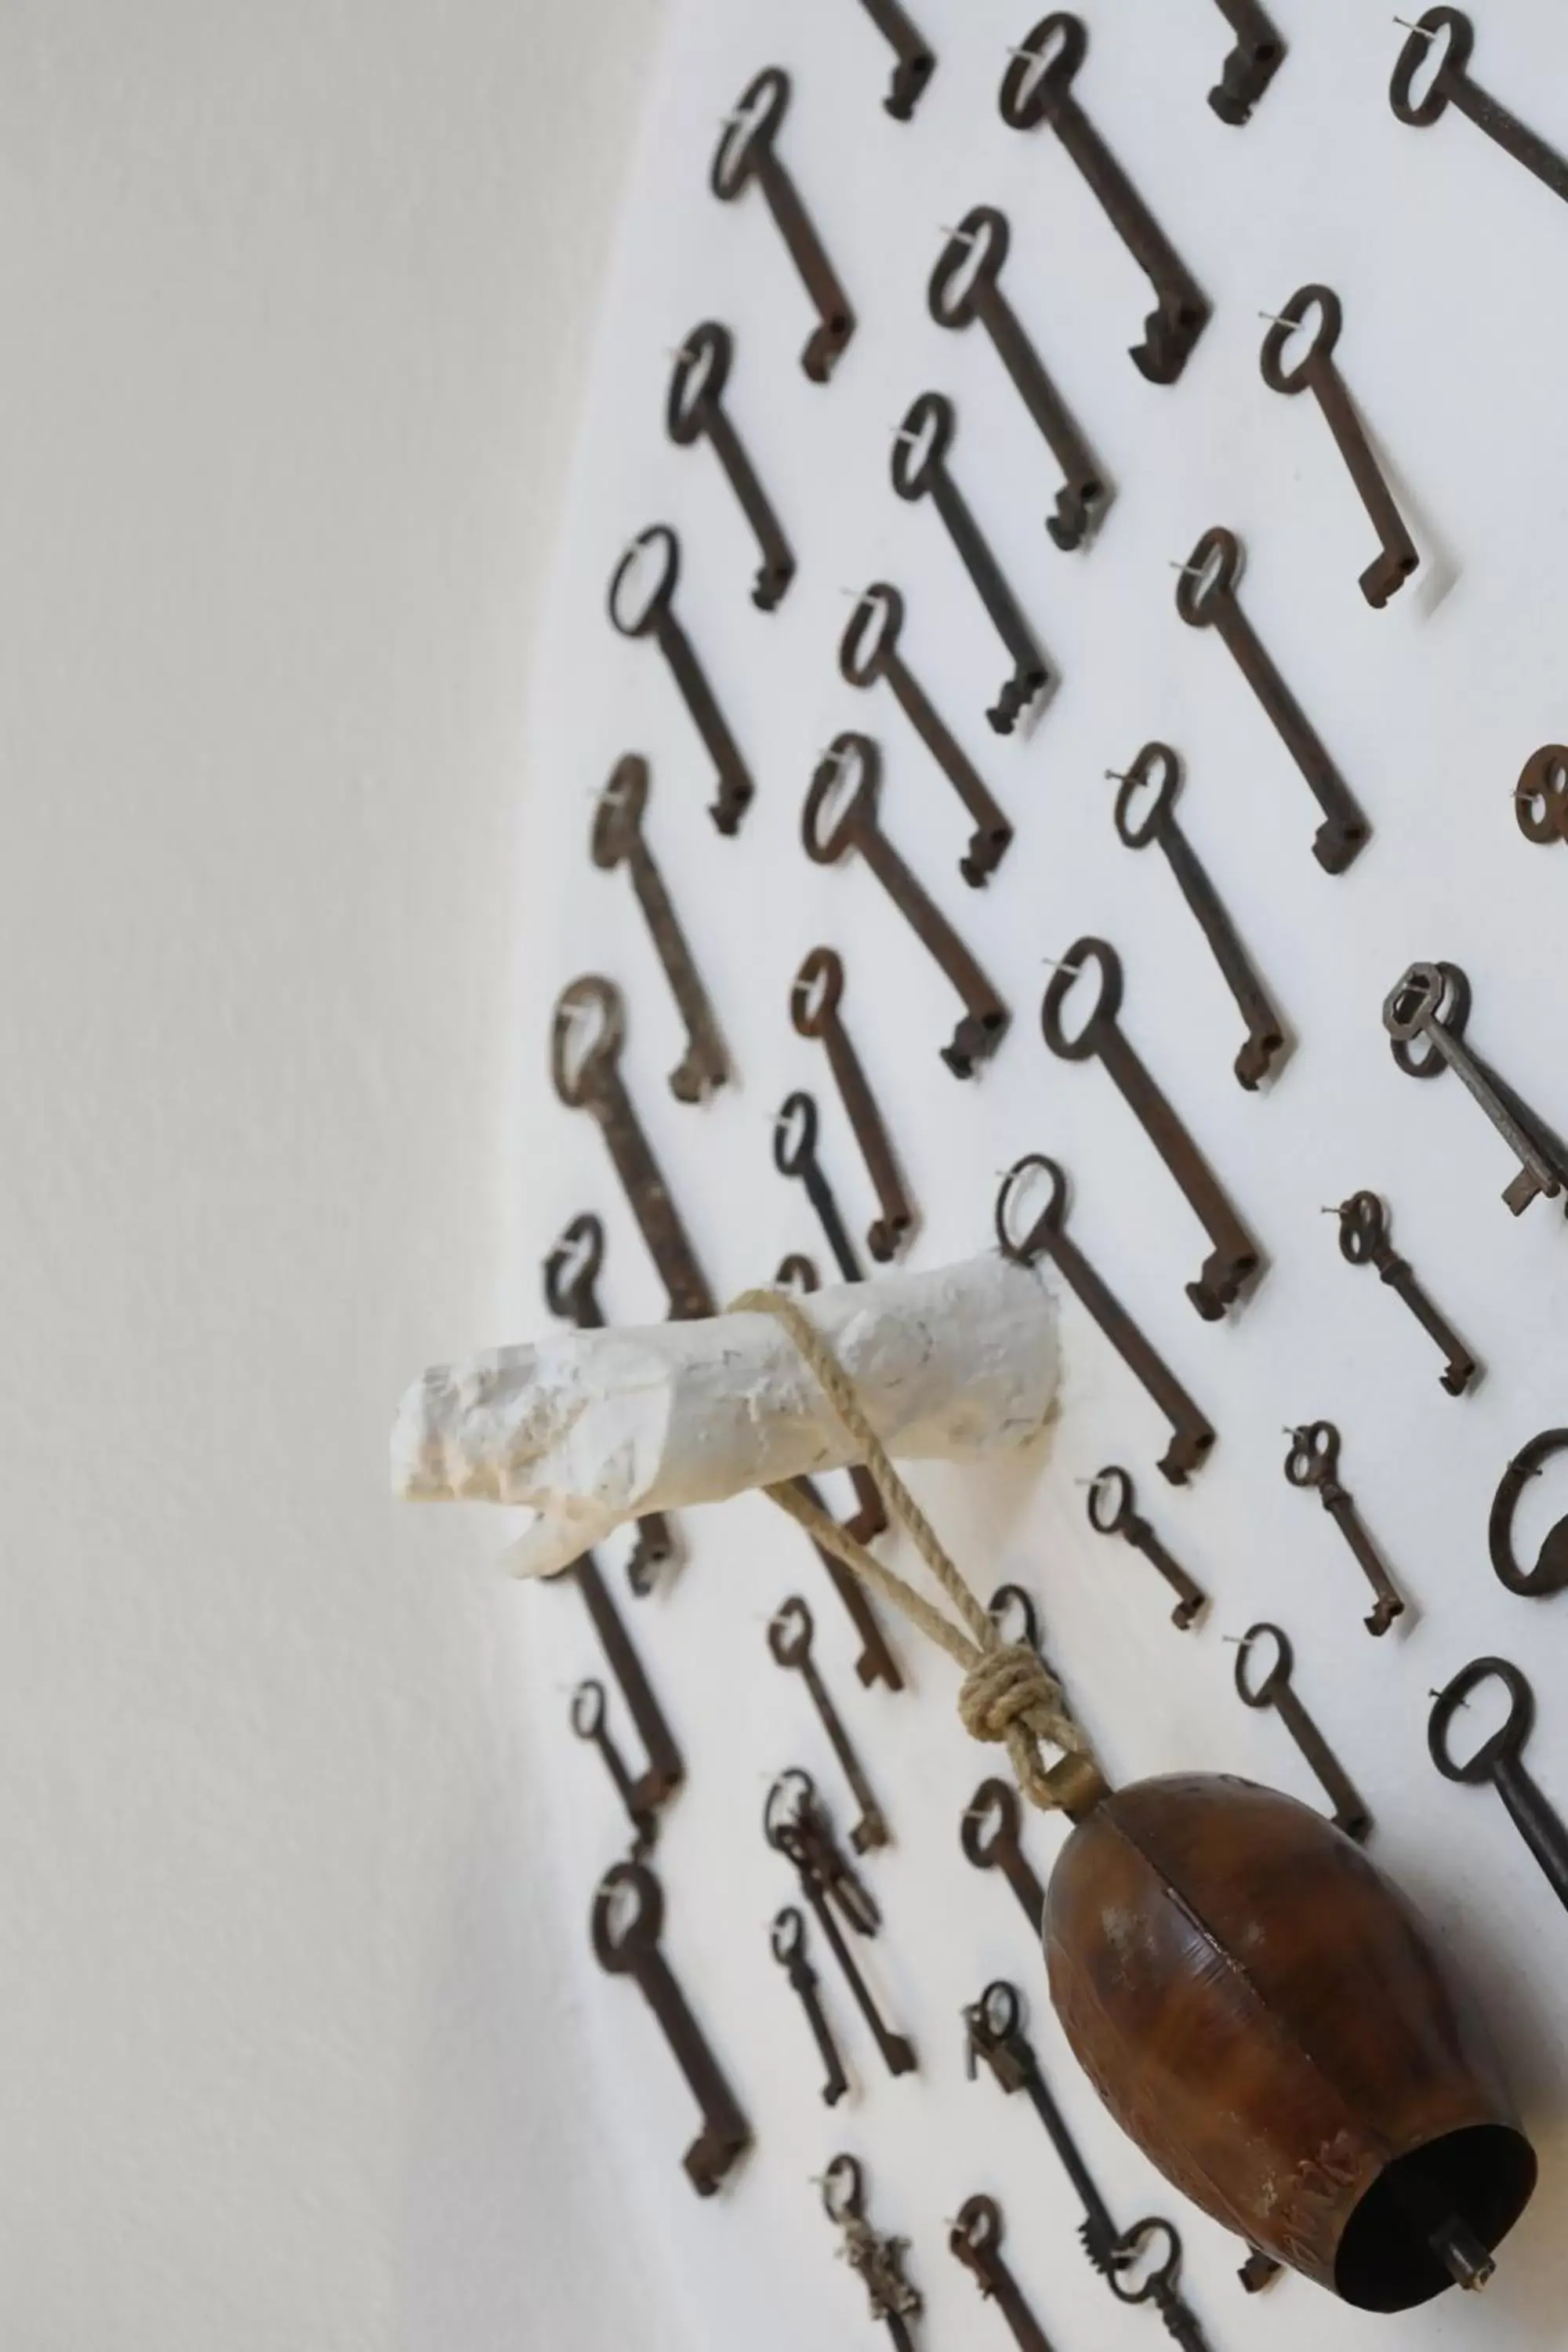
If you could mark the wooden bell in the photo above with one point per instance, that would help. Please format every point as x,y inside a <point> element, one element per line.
<point>1264,2013</point>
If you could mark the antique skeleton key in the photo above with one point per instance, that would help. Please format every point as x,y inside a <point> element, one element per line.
<point>1364,1241</point>
<point>1540,795</point>
<point>786,1939</point>
<point>590,1721</point>
<point>588,1077</point>
<point>695,412</point>
<point>1251,65</point>
<point>1498,1760</point>
<point>795,1826</point>
<point>976,2241</point>
<point>664,1771</point>
<point>1426,51</point>
<point>919,471</point>
<point>1192,1434</point>
<point>748,151</point>
<point>869,650</point>
<point>1550,1574</point>
<point>656,619</point>
<point>963,287</point>
<point>1235,1258</point>
<point>570,1291</point>
<point>1278,1691</point>
<point>1205,597</point>
<point>1313,1463</point>
<point>988,1833</point>
<point>790,1637</point>
<point>816,995</point>
<point>877,2262</point>
<point>628,1915</point>
<point>916,64</point>
<point>794,1154</point>
<point>1431,1001</point>
<point>1038,86</point>
<point>1158,765</point>
<point>1112,1487</point>
<point>856,826</point>
<point>618,839</point>
<point>1396,558</point>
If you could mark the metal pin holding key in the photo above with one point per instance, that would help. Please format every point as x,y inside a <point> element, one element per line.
<point>1276,1690</point>
<point>1498,1760</point>
<point>1111,1508</point>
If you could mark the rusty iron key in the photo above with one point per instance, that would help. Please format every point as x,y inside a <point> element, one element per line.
<point>1112,1512</point>
<point>795,1155</point>
<point>1276,1690</point>
<point>916,64</point>
<point>590,1721</point>
<point>876,2261</point>
<point>1235,1258</point>
<point>570,1291</point>
<point>1250,65</point>
<point>919,471</point>
<point>1312,1464</point>
<point>587,1077</point>
<point>618,839</point>
<point>976,2241</point>
<point>1364,1241</point>
<point>1540,795</point>
<point>786,1939</point>
<point>1498,1760</point>
<point>1036,88</point>
<point>964,287</point>
<point>1315,370</point>
<point>984,1022</point>
<point>656,619</point>
<point>795,1826</point>
<point>1550,1574</point>
<point>815,995</point>
<point>748,151</point>
<point>791,1634</point>
<point>1430,1003</point>
<point>628,1918</point>
<point>1192,1434</point>
<point>1447,61</point>
<point>695,411</point>
<point>664,1771</point>
<point>1158,765</point>
<point>869,651</point>
<point>1205,598</point>
<point>988,1833</point>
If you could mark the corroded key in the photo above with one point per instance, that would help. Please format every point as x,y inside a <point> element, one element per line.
<point>976,2241</point>
<point>816,995</point>
<point>1038,86</point>
<point>919,471</point>
<point>1251,65</point>
<point>1316,372</point>
<point>916,64</point>
<point>1447,61</point>
<point>965,286</point>
<point>658,620</point>
<point>790,1637</point>
<point>1498,1760</point>
<point>798,1274</point>
<point>695,411</point>
<point>876,2261</point>
<point>1192,1434</point>
<point>1158,765</point>
<point>618,839</point>
<point>587,1077</point>
<point>786,1939</point>
<point>1235,1258</point>
<point>747,150</point>
<point>1112,1512</point>
<point>1431,1002</point>
<point>794,1154</point>
<point>1364,1241</point>
<point>869,650</point>
<point>988,1834</point>
<point>1313,1463</point>
<point>570,1280</point>
<point>1205,597</point>
<point>1540,795</point>
<point>985,1023</point>
<point>628,1916</point>
<point>1278,1691</point>
<point>795,1825</point>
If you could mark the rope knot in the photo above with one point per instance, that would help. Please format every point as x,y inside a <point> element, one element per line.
<point>1011,1686</point>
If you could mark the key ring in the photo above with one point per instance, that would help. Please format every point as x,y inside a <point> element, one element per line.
<point>1314,1454</point>
<point>1277,1678</point>
<point>619,1936</point>
<point>990,1824</point>
<point>1505,1744</point>
<point>1129,2244</point>
<point>1550,1574</point>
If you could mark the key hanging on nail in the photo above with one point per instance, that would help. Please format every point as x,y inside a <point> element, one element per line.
<point>1276,1690</point>
<point>795,1825</point>
<point>1430,1004</point>
<point>1550,1574</point>
<point>589,1716</point>
<point>664,1771</point>
<point>988,1835</point>
<point>1251,65</point>
<point>1313,1464</point>
<point>791,1635</point>
<point>1112,1512</point>
<point>748,151</point>
<point>695,411</point>
<point>816,995</point>
<point>656,619</point>
<point>1540,795</point>
<point>974,2239</point>
<point>786,1939</point>
<point>795,1155</point>
<point>1364,1241</point>
<point>916,64</point>
<point>618,839</point>
<point>1498,1760</point>
<point>877,2261</point>
<point>1447,61</point>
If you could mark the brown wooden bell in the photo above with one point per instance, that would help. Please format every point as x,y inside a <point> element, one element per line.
<point>1264,2013</point>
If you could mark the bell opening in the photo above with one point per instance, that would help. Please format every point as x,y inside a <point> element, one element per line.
<point>1432,2218</point>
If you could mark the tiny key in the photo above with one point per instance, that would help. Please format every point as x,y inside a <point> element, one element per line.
<point>695,411</point>
<point>791,1634</point>
<point>1431,1003</point>
<point>656,619</point>
<point>748,151</point>
<point>1498,1760</point>
<point>1427,51</point>
<point>1313,1464</point>
<point>1111,1512</point>
<point>786,1938</point>
<point>1364,1241</point>
<point>1251,65</point>
<point>1276,1690</point>
<point>815,995</point>
<point>795,1155</point>
<point>618,839</point>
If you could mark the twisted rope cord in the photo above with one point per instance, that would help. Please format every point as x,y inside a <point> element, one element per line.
<point>1008,1696</point>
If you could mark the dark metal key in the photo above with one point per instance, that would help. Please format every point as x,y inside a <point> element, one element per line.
<point>1364,1241</point>
<point>1235,1258</point>
<point>656,619</point>
<point>988,1833</point>
<point>1447,61</point>
<point>876,2261</point>
<point>1313,1464</point>
<point>1205,597</point>
<point>869,650</point>
<point>588,1077</point>
<point>1315,370</point>
<point>786,1938</point>
<point>747,150</point>
<point>695,411</point>
<point>1278,1691</point>
<point>1540,795</point>
<point>976,2241</point>
<point>794,1826</point>
<point>794,1154</point>
<point>1192,1434</point>
<point>1158,765</point>
<point>1550,1574</point>
<point>1251,65</point>
<point>790,1637</point>
<point>570,1291</point>
<point>984,1022</point>
<point>664,1771</point>
<point>965,286</point>
<point>1111,1512</point>
<point>816,995</point>
<point>628,1915</point>
<point>1038,86</point>
<point>916,64</point>
<point>1430,1003</point>
<point>590,1721</point>
<point>618,839</point>
<point>1498,1760</point>
<point>919,471</point>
